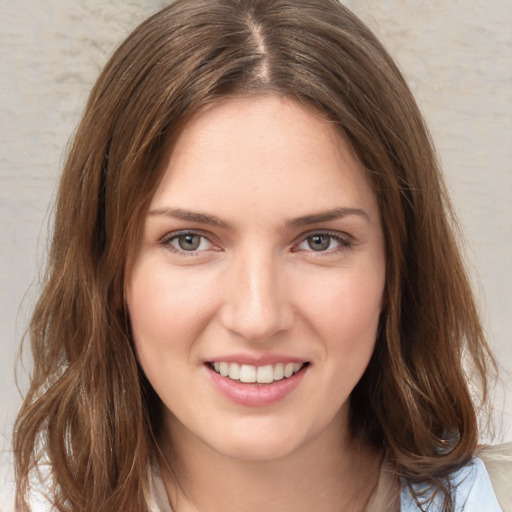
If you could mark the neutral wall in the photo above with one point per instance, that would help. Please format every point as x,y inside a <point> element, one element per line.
<point>456,55</point>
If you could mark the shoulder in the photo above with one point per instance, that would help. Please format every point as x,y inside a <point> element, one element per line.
<point>498,463</point>
<point>483,484</point>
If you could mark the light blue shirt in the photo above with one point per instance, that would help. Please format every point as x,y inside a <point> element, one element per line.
<point>472,490</point>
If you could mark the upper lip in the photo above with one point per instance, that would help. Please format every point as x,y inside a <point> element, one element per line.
<point>257,360</point>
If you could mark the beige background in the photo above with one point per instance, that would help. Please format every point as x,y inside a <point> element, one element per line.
<point>456,54</point>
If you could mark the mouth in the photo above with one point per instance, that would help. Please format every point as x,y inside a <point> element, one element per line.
<point>249,374</point>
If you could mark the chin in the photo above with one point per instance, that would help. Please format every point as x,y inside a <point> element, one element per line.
<point>263,438</point>
<point>256,448</point>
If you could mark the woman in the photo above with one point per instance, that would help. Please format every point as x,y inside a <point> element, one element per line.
<point>254,300</point>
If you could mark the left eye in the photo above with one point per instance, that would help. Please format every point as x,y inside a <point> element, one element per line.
<point>320,242</point>
<point>188,242</point>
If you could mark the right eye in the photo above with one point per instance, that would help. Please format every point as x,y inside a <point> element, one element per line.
<point>187,242</point>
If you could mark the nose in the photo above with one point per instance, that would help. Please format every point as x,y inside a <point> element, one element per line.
<point>256,305</point>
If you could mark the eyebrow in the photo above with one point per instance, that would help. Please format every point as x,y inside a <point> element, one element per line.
<point>189,215</point>
<point>213,220</point>
<point>325,216</point>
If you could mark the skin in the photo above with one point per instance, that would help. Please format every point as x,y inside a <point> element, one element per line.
<point>255,286</point>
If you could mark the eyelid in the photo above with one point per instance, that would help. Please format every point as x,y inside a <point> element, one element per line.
<point>346,241</point>
<point>165,241</point>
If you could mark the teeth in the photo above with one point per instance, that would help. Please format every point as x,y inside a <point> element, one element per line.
<point>234,371</point>
<point>260,374</point>
<point>247,373</point>
<point>265,374</point>
<point>224,369</point>
<point>279,371</point>
<point>288,370</point>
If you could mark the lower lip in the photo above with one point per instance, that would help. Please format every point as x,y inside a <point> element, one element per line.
<point>256,395</point>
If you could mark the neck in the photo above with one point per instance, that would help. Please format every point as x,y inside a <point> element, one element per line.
<point>329,473</point>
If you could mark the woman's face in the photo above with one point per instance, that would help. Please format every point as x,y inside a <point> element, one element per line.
<point>256,293</point>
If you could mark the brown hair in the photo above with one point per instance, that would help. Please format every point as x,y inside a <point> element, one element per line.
<point>89,412</point>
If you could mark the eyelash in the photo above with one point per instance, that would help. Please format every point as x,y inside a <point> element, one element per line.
<point>167,240</point>
<point>345,242</point>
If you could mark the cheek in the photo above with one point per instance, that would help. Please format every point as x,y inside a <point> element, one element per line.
<point>167,309</point>
<point>348,306</point>
<point>344,313</point>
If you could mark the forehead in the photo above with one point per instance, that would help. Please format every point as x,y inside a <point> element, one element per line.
<point>267,154</point>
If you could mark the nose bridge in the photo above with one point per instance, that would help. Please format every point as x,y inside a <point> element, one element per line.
<point>256,305</point>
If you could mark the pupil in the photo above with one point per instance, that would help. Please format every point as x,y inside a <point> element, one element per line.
<point>319,242</point>
<point>189,242</point>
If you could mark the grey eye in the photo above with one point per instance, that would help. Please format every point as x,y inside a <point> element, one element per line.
<point>189,242</point>
<point>319,242</point>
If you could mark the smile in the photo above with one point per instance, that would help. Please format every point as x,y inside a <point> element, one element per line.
<point>250,374</point>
